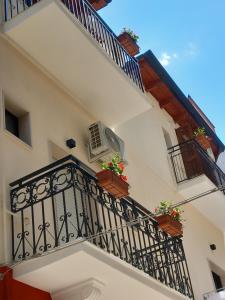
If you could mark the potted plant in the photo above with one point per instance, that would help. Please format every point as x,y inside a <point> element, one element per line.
<point>129,40</point>
<point>112,179</point>
<point>98,4</point>
<point>169,218</point>
<point>201,138</point>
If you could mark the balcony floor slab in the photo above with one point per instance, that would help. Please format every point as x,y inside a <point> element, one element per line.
<point>57,42</point>
<point>68,267</point>
<point>211,206</point>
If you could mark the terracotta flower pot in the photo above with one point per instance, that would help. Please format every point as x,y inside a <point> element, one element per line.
<point>113,183</point>
<point>170,226</point>
<point>128,43</point>
<point>203,141</point>
<point>98,4</point>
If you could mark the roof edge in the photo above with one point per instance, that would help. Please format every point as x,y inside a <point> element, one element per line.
<point>167,79</point>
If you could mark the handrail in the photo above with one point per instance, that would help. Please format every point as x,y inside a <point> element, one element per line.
<point>47,168</point>
<point>204,153</point>
<point>65,161</point>
<point>185,169</point>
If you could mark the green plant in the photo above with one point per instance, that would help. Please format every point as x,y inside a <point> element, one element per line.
<point>166,208</point>
<point>199,131</point>
<point>116,166</point>
<point>131,33</point>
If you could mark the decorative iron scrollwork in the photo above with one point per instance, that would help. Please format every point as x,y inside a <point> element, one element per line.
<point>66,203</point>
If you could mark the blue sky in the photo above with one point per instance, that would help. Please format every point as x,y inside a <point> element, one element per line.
<point>189,39</point>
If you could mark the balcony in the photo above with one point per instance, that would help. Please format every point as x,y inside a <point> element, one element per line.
<point>61,207</point>
<point>70,41</point>
<point>196,173</point>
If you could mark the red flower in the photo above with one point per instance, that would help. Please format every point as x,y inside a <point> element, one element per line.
<point>110,164</point>
<point>121,166</point>
<point>174,213</point>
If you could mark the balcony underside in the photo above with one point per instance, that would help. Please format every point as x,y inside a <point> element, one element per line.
<point>212,206</point>
<point>57,272</point>
<point>55,40</point>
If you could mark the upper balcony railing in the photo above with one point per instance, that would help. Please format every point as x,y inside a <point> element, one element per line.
<point>82,11</point>
<point>63,202</point>
<point>190,160</point>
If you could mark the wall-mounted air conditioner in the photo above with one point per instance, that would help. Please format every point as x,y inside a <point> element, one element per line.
<point>103,143</point>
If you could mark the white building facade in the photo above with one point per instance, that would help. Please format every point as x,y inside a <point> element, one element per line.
<point>61,70</point>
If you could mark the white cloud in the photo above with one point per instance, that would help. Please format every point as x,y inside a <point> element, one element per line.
<point>166,58</point>
<point>192,49</point>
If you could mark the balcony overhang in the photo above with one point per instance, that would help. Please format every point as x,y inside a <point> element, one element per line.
<point>159,83</point>
<point>57,42</point>
<point>58,274</point>
<point>211,206</point>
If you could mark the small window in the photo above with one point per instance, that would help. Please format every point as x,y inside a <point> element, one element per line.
<point>17,122</point>
<point>11,123</point>
<point>217,281</point>
<point>218,276</point>
<point>167,139</point>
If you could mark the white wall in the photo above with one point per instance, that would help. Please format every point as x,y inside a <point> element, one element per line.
<point>149,173</point>
<point>54,116</point>
<point>199,233</point>
<point>149,170</point>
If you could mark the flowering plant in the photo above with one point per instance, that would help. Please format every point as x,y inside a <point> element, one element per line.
<point>199,131</point>
<point>166,208</point>
<point>116,166</point>
<point>131,33</point>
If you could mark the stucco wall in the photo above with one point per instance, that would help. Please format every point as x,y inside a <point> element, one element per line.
<point>151,179</point>
<point>199,233</point>
<point>147,155</point>
<point>55,116</point>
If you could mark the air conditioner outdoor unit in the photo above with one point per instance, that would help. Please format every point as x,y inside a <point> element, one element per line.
<point>103,143</point>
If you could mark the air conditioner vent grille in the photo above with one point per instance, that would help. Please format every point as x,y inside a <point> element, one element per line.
<point>95,136</point>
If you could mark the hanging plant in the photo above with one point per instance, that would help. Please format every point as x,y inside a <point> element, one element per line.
<point>199,131</point>
<point>112,178</point>
<point>98,4</point>
<point>169,218</point>
<point>128,40</point>
<point>131,34</point>
<point>202,138</point>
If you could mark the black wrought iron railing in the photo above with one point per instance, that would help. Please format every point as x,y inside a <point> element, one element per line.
<point>62,203</point>
<point>190,160</point>
<point>94,24</point>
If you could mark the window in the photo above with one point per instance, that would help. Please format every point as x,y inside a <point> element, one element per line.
<point>17,121</point>
<point>11,123</point>
<point>218,276</point>
<point>217,281</point>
